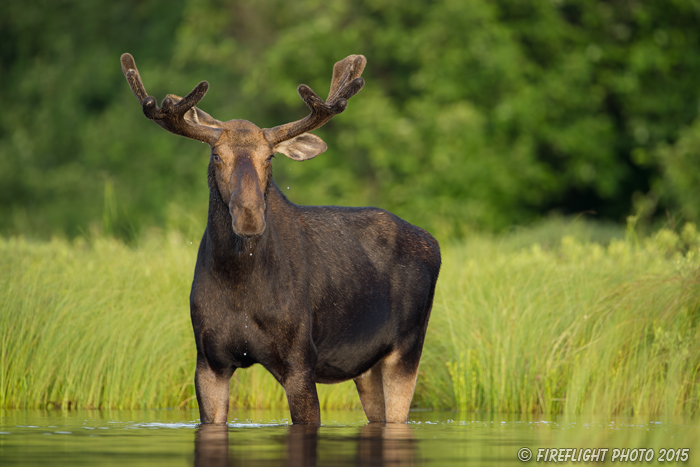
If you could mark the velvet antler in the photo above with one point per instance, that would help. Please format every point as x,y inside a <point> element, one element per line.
<point>177,115</point>
<point>346,82</point>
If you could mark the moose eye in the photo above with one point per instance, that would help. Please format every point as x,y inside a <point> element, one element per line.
<point>215,157</point>
<point>269,158</point>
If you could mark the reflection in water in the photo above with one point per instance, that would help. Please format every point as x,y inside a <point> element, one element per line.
<point>382,444</point>
<point>211,446</point>
<point>302,445</point>
<point>376,444</point>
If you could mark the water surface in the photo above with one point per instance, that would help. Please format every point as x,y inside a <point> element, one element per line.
<point>172,437</point>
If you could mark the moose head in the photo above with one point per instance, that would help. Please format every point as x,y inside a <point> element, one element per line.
<point>241,153</point>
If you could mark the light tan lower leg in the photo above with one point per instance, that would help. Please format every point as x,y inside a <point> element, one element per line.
<point>399,385</point>
<point>371,391</point>
<point>212,394</point>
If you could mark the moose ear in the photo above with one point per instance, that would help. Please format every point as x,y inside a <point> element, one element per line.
<point>301,148</point>
<point>199,117</point>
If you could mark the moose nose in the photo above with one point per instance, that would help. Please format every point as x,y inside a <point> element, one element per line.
<point>247,208</point>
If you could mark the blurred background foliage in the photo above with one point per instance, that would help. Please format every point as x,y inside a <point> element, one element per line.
<point>476,115</point>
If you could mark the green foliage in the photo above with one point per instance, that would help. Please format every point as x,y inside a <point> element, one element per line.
<point>589,322</point>
<point>476,115</point>
<point>681,163</point>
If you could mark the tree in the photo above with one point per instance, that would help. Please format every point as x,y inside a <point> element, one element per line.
<point>476,115</point>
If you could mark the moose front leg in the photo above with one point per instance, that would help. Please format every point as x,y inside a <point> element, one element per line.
<point>303,398</point>
<point>212,392</point>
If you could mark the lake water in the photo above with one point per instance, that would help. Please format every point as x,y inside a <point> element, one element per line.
<point>172,437</point>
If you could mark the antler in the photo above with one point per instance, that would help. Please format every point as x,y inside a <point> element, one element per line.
<point>177,115</point>
<point>346,82</point>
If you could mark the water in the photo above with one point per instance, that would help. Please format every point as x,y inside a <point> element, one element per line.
<point>172,437</point>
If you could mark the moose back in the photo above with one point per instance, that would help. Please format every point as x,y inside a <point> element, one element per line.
<point>315,294</point>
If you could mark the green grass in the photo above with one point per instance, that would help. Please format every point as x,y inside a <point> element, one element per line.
<point>533,321</point>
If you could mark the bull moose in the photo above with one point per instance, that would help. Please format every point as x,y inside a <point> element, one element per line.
<point>315,294</point>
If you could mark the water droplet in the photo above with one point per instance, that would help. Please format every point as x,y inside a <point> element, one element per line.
<point>288,188</point>
<point>245,353</point>
<point>251,254</point>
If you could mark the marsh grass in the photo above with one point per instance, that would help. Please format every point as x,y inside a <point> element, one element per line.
<point>566,324</point>
<point>576,327</point>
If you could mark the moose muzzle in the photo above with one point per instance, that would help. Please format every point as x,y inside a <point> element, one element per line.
<point>247,206</point>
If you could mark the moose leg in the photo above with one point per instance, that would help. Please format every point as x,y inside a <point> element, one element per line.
<point>212,393</point>
<point>303,398</point>
<point>399,375</point>
<point>371,391</point>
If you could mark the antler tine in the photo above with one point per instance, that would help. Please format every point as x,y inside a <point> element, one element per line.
<point>133,77</point>
<point>347,71</point>
<point>345,83</point>
<point>172,115</point>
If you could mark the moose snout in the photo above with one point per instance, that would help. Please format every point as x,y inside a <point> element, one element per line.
<point>247,214</point>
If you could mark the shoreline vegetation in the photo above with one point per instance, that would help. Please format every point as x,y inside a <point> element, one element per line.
<point>570,318</point>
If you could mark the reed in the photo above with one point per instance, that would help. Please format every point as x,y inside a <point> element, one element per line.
<point>520,324</point>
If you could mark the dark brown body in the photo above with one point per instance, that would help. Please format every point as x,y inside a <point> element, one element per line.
<point>323,295</point>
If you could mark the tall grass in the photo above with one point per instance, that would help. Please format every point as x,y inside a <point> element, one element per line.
<point>519,325</point>
<point>573,327</point>
<point>102,324</point>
